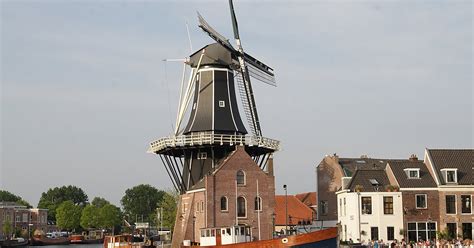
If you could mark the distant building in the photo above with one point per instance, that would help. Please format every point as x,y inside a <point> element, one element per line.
<point>309,199</point>
<point>299,214</point>
<point>22,218</point>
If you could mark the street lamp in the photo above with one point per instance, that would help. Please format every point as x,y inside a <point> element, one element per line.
<point>286,208</point>
<point>194,223</point>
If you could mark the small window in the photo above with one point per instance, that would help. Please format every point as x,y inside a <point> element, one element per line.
<point>224,205</point>
<point>241,207</point>
<point>451,204</point>
<point>258,203</point>
<point>366,205</point>
<point>466,204</point>
<point>324,207</point>
<point>202,206</point>
<point>450,175</point>
<point>421,201</point>
<point>202,155</point>
<point>374,233</point>
<point>240,177</point>
<point>412,173</point>
<point>390,233</point>
<point>388,205</point>
<point>221,104</point>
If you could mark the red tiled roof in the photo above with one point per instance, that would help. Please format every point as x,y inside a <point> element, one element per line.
<point>296,209</point>
<point>308,198</point>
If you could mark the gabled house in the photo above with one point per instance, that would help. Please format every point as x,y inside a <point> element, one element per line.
<point>329,176</point>
<point>368,208</point>
<point>419,197</point>
<point>452,170</point>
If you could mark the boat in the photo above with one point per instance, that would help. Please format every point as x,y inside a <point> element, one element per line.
<point>41,240</point>
<point>91,237</point>
<point>121,241</point>
<point>226,237</point>
<point>14,243</point>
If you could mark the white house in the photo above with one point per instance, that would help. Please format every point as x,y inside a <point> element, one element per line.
<point>373,213</point>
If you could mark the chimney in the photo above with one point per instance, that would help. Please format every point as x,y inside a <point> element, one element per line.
<point>345,182</point>
<point>413,157</point>
<point>336,158</point>
<point>270,165</point>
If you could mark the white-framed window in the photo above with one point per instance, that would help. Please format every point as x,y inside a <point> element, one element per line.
<point>202,155</point>
<point>241,207</point>
<point>421,231</point>
<point>258,203</point>
<point>240,177</point>
<point>224,204</point>
<point>412,173</point>
<point>450,175</point>
<point>221,104</point>
<point>450,204</point>
<point>421,201</point>
<point>466,204</point>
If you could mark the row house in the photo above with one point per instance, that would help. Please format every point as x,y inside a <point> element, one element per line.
<point>430,195</point>
<point>367,210</point>
<point>452,170</point>
<point>329,174</point>
<point>20,217</point>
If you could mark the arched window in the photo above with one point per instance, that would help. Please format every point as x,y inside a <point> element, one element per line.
<point>258,203</point>
<point>241,207</point>
<point>240,177</point>
<point>224,203</point>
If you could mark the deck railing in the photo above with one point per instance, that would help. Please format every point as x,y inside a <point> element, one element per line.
<point>209,138</point>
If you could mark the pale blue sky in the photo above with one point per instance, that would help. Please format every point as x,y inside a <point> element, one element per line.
<point>84,89</point>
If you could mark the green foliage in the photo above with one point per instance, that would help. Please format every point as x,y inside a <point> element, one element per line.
<point>109,216</point>
<point>7,228</point>
<point>90,217</point>
<point>68,215</point>
<point>55,196</point>
<point>99,202</point>
<point>170,206</point>
<point>142,200</point>
<point>443,234</point>
<point>9,197</point>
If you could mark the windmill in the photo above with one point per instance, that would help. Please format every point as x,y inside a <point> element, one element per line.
<point>246,66</point>
<point>214,126</point>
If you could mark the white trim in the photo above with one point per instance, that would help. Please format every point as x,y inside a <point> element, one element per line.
<point>416,201</point>
<point>470,201</point>
<point>435,171</point>
<point>195,191</point>
<point>245,178</point>
<point>408,170</point>
<point>213,100</point>
<point>445,174</point>
<point>246,209</point>
<point>226,204</point>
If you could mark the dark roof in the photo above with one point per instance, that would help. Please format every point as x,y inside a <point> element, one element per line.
<point>364,177</point>
<point>425,180</point>
<point>461,159</point>
<point>350,165</point>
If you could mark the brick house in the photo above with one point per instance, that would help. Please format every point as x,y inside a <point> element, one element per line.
<point>419,195</point>
<point>329,174</point>
<point>452,170</point>
<point>22,218</point>
<point>227,197</point>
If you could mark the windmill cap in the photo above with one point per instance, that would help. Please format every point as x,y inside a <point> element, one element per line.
<point>214,54</point>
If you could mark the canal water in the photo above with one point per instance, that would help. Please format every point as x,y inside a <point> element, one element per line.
<point>71,246</point>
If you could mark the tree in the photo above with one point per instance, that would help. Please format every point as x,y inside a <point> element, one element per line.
<point>170,206</point>
<point>7,228</point>
<point>68,215</point>
<point>9,197</point>
<point>110,216</point>
<point>90,217</point>
<point>141,201</point>
<point>55,196</point>
<point>99,202</point>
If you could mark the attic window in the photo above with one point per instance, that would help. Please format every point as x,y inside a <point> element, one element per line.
<point>450,175</point>
<point>412,173</point>
<point>374,182</point>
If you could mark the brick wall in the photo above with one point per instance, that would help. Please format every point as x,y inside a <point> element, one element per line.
<point>413,214</point>
<point>459,217</point>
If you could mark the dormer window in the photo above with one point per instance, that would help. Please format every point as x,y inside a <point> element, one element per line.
<point>450,175</point>
<point>412,173</point>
